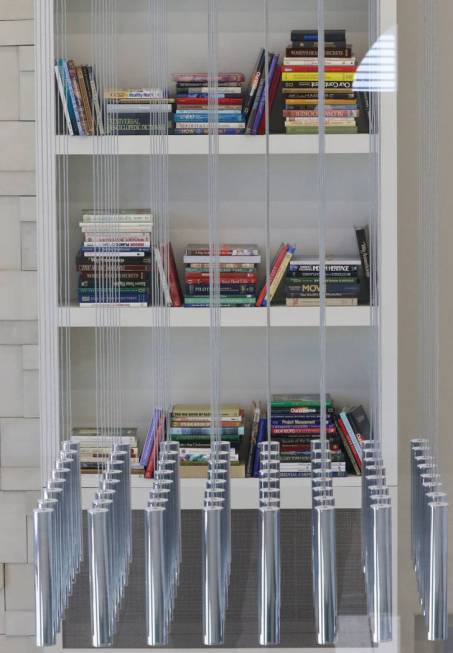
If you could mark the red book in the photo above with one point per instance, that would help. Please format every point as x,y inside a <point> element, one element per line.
<point>301,430</point>
<point>149,472</point>
<point>225,277</point>
<point>204,100</point>
<point>173,279</point>
<point>272,95</point>
<point>274,269</point>
<point>314,69</point>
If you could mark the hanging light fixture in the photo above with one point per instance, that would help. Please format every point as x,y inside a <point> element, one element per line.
<point>57,526</point>
<point>323,504</point>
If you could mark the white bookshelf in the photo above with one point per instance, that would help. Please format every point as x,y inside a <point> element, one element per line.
<point>280,316</point>
<point>233,145</point>
<point>295,492</point>
<point>293,214</point>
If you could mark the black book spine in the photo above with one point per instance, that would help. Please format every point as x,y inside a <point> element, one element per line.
<point>254,84</point>
<point>312,52</point>
<point>312,35</point>
<point>364,252</point>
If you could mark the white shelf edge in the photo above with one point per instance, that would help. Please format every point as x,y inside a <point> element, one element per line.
<point>281,316</point>
<point>295,492</point>
<point>228,145</point>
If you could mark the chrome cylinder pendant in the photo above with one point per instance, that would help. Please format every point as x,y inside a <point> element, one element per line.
<point>269,576</point>
<point>429,538</point>
<point>44,577</point>
<point>381,589</point>
<point>324,572</point>
<point>437,605</point>
<point>100,581</point>
<point>213,595</point>
<point>269,560</point>
<point>156,578</point>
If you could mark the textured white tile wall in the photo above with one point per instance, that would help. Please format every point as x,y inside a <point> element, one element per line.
<point>19,424</point>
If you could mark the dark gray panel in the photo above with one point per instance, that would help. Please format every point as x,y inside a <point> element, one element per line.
<point>297,626</point>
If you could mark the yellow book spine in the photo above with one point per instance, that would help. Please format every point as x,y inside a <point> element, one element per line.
<point>279,276</point>
<point>313,77</point>
<point>315,102</point>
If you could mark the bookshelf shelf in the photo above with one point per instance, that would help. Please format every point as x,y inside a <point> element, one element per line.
<point>295,492</point>
<point>231,145</point>
<point>281,316</point>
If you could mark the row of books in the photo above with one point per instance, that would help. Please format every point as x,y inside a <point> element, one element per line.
<point>300,87</point>
<point>237,275</point>
<point>117,264</point>
<point>239,107</point>
<point>193,104</point>
<point>96,445</point>
<point>295,423</point>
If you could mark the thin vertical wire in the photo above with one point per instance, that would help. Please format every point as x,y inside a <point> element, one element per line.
<point>267,236</point>
<point>214,260</point>
<point>322,235</point>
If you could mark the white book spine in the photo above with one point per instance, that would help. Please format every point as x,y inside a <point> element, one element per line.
<point>63,101</point>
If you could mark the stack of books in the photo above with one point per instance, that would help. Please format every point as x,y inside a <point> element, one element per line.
<point>343,282</point>
<point>191,426</point>
<point>96,447</point>
<point>295,424</point>
<point>192,97</point>
<point>79,98</point>
<point>137,111</point>
<point>254,103</point>
<point>237,275</point>
<point>114,261</point>
<point>300,84</point>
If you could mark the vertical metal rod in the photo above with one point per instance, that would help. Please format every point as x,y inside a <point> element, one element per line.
<point>101,631</point>
<point>269,599</point>
<point>437,607</point>
<point>213,616</point>
<point>156,579</point>
<point>44,578</point>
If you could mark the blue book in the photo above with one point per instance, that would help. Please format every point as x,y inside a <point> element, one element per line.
<point>202,131</point>
<point>202,116</point>
<point>67,95</point>
<point>262,432</point>
<point>262,103</point>
<point>351,433</point>
<point>73,102</point>
<point>148,446</point>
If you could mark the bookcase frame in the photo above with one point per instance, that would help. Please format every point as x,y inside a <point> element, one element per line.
<point>295,492</point>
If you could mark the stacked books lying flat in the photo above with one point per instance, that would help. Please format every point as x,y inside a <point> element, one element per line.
<point>191,426</point>
<point>114,261</point>
<point>353,428</point>
<point>343,282</point>
<point>79,98</point>
<point>255,97</point>
<point>96,446</point>
<point>295,423</point>
<point>300,84</point>
<point>237,275</point>
<point>135,112</point>
<point>192,103</point>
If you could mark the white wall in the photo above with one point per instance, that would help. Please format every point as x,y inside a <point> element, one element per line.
<point>19,426</point>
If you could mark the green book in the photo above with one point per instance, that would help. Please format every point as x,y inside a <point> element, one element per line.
<point>224,301</point>
<point>299,401</point>
<point>306,129</point>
